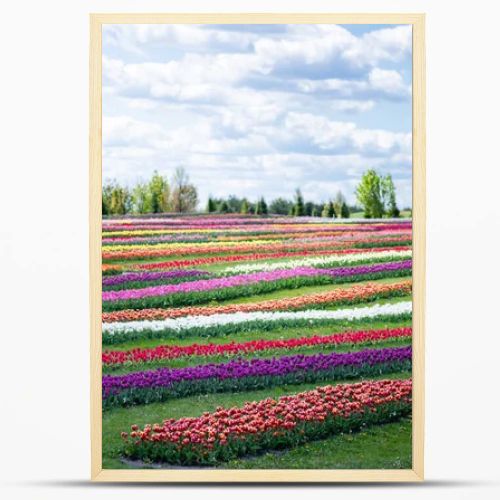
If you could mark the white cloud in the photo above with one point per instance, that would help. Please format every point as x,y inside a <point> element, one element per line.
<point>333,135</point>
<point>126,131</point>
<point>388,81</point>
<point>134,37</point>
<point>308,49</point>
<point>193,69</point>
<point>378,82</point>
<point>256,112</point>
<point>308,42</point>
<point>352,106</point>
<point>315,44</point>
<point>389,44</point>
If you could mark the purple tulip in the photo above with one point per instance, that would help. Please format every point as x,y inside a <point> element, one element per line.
<point>151,276</point>
<point>239,368</point>
<point>248,279</point>
<point>154,239</point>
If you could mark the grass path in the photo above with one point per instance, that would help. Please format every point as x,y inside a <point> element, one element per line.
<point>379,447</point>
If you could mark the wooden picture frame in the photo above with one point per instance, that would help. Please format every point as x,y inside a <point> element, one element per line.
<point>416,473</point>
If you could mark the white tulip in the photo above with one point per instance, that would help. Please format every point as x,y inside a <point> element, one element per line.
<point>188,322</point>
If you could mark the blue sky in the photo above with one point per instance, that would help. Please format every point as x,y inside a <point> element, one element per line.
<point>258,110</point>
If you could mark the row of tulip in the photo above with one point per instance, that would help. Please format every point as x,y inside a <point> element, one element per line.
<point>233,218</point>
<point>340,296</point>
<point>167,352</point>
<point>201,223</point>
<point>257,278</point>
<point>112,269</point>
<point>226,259</point>
<point>160,229</point>
<point>242,247</point>
<point>244,239</point>
<point>323,261</point>
<point>269,424</point>
<point>227,324</point>
<point>176,238</point>
<point>296,235</point>
<point>202,219</point>
<point>139,278</point>
<point>280,222</point>
<point>126,278</point>
<point>199,245</point>
<point>192,299</point>
<point>297,238</point>
<point>244,374</point>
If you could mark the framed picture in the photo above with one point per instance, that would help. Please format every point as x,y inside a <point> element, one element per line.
<point>257,247</point>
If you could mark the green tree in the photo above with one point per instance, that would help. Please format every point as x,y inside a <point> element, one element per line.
<point>120,200</point>
<point>159,193</point>
<point>141,199</point>
<point>299,209</point>
<point>106,199</point>
<point>184,194</point>
<point>324,212</point>
<point>223,207</point>
<point>308,208</point>
<point>244,206</point>
<point>338,202</point>
<point>280,206</point>
<point>211,206</point>
<point>344,211</point>
<point>369,194</point>
<point>234,203</point>
<point>261,207</point>
<point>389,197</point>
<point>328,210</point>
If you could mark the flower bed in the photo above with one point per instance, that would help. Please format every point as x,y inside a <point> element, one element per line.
<point>226,324</point>
<point>242,374</point>
<point>171,282</point>
<point>145,276</point>
<point>324,261</point>
<point>243,247</point>
<point>223,259</point>
<point>341,296</point>
<point>202,291</point>
<point>270,424</point>
<point>250,279</point>
<point>164,352</point>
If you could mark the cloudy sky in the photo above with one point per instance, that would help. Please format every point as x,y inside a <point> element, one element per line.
<point>257,110</point>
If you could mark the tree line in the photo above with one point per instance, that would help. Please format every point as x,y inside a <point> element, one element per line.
<point>281,206</point>
<point>158,195</point>
<point>375,194</point>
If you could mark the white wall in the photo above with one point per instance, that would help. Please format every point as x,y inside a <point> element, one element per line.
<point>44,105</point>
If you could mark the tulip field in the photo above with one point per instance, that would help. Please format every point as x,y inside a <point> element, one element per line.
<point>244,341</point>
